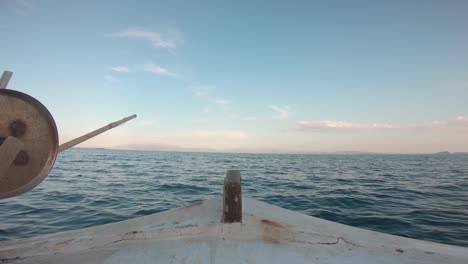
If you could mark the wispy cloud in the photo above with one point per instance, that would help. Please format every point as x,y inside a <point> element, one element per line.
<point>216,103</point>
<point>282,112</point>
<point>156,69</point>
<point>155,38</point>
<point>202,91</point>
<point>330,125</point>
<point>219,101</point>
<point>205,92</point>
<point>120,69</point>
<point>428,124</point>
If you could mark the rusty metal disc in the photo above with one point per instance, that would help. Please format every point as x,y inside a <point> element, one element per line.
<point>27,119</point>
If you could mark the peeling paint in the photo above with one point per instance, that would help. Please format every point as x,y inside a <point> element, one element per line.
<point>268,234</point>
<point>272,232</point>
<point>271,223</point>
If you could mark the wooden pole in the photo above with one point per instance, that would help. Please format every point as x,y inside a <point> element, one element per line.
<point>232,197</point>
<point>96,132</point>
<point>8,151</point>
<point>5,79</point>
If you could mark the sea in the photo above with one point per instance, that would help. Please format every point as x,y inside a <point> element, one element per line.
<point>417,196</point>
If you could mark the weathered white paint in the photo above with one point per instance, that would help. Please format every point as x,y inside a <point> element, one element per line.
<point>194,234</point>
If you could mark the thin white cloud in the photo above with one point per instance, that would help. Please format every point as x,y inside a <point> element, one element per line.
<point>282,112</point>
<point>156,39</point>
<point>156,69</point>
<point>331,125</point>
<point>205,93</point>
<point>202,91</point>
<point>120,69</point>
<point>429,124</point>
<point>220,101</point>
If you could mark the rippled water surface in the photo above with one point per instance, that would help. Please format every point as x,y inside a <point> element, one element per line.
<point>417,196</point>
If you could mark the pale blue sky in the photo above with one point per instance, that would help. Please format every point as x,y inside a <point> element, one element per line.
<point>242,76</point>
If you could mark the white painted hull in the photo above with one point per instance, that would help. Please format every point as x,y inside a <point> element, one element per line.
<point>194,234</point>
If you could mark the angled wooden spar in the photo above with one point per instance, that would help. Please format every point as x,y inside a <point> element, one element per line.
<point>5,79</point>
<point>8,151</point>
<point>96,132</point>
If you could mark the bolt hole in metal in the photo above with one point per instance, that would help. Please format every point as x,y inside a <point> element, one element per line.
<point>22,158</point>
<point>17,128</point>
<point>29,139</point>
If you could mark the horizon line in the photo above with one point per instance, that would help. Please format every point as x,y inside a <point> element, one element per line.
<point>284,152</point>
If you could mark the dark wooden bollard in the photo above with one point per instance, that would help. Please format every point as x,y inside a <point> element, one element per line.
<point>232,197</point>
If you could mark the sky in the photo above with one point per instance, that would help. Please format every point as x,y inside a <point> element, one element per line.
<point>246,76</point>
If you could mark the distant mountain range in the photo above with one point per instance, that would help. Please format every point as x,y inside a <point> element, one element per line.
<point>449,153</point>
<point>174,148</point>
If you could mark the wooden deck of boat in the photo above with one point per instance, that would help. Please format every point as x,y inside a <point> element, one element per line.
<point>195,234</point>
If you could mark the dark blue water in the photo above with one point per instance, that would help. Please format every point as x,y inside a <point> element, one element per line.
<point>417,196</point>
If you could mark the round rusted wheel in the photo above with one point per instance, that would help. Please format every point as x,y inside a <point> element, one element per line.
<point>28,120</point>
